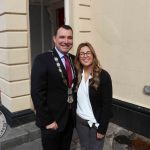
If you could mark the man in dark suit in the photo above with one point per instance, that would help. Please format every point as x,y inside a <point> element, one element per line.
<point>51,91</point>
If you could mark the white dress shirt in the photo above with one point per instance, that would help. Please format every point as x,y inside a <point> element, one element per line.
<point>84,108</point>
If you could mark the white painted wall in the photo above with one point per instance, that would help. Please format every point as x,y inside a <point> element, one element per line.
<point>120,32</point>
<point>14,55</point>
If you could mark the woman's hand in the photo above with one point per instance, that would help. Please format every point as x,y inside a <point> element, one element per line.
<point>100,136</point>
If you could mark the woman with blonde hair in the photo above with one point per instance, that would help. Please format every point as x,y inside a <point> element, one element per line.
<point>94,98</point>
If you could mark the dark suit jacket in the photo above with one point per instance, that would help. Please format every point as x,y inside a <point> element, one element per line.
<point>101,101</point>
<point>48,91</point>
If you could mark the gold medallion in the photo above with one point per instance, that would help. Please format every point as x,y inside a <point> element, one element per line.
<point>70,99</point>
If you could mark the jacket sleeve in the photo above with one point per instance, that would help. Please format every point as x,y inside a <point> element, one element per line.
<point>39,91</point>
<point>106,91</point>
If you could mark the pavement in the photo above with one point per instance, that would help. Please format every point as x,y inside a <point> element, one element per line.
<point>27,137</point>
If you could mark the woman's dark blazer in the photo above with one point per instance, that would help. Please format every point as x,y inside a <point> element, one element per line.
<point>101,101</point>
<point>49,92</point>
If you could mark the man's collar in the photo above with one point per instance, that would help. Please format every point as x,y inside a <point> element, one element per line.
<point>59,53</point>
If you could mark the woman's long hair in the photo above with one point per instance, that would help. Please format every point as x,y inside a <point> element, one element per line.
<point>96,68</point>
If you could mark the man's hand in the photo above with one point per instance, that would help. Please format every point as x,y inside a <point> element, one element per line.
<point>100,136</point>
<point>53,126</point>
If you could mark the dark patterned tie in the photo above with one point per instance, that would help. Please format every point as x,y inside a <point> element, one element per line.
<point>68,69</point>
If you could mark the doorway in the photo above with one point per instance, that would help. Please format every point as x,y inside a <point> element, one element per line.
<point>45,16</point>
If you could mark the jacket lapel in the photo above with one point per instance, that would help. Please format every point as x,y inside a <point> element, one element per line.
<point>71,57</point>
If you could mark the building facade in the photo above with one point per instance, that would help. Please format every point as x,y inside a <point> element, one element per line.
<point>118,30</point>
